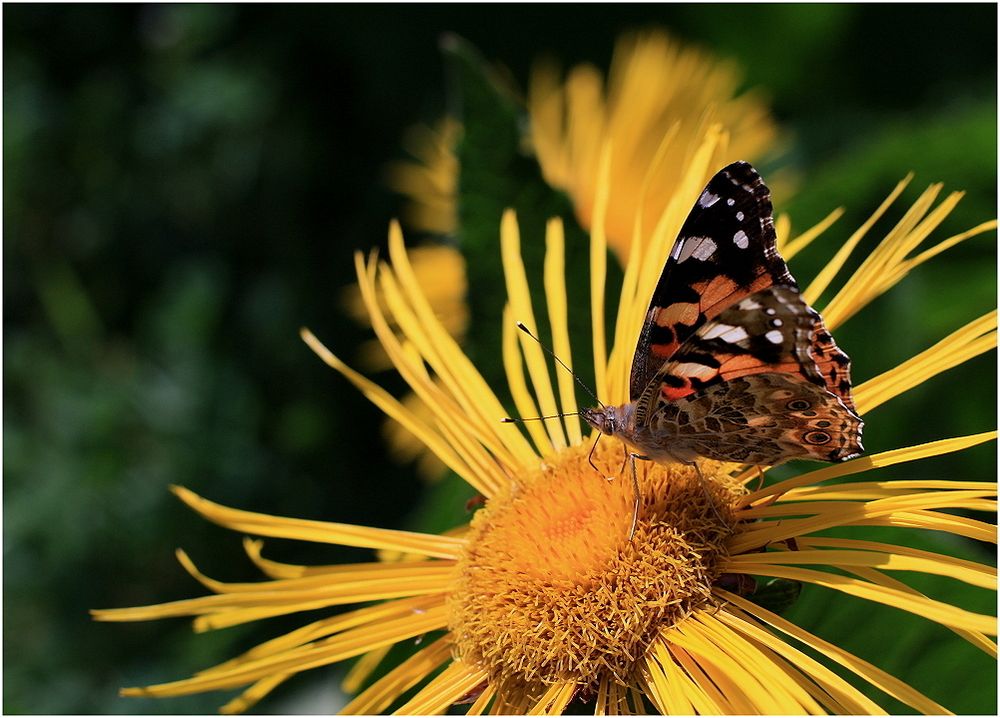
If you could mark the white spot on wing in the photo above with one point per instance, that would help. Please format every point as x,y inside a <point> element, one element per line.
<point>726,333</point>
<point>773,336</point>
<point>693,369</point>
<point>741,239</point>
<point>701,248</point>
<point>730,201</point>
<point>707,199</point>
<point>739,216</point>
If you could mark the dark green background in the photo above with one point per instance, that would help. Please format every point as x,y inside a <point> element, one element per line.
<point>184,187</point>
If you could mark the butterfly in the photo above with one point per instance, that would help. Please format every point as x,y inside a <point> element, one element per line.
<point>732,364</point>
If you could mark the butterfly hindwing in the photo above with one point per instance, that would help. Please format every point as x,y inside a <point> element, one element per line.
<point>724,252</point>
<point>760,419</point>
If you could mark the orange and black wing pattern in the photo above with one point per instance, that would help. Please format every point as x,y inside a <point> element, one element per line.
<point>724,252</point>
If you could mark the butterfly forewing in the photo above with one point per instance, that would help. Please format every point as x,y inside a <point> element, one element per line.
<point>725,251</point>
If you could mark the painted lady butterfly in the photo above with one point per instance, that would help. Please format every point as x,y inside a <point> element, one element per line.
<point>731,363</point>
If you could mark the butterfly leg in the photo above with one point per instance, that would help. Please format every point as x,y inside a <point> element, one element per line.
<point>590,456</point>
<point>635,493</point>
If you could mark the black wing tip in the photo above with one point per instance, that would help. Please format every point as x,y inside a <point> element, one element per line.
<point>741,172</point>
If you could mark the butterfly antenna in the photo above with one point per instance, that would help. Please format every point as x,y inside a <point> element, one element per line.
<point>510,420</point>
<point>551,353</point>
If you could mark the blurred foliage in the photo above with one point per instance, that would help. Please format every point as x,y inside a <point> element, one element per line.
<point>184,186</point>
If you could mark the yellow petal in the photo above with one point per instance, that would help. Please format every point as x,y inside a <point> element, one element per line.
<point>598,274</point>
<point>381,694</point>
<point>940,565</point>
<point>322,531</point>
<point>519,387</point>
<point>519,295</point>
<point>555,294</point>
<point>337,648</point>
<point>254,694</point>
<point>437,696</point>
<point>973,339</point>
<point>865,463</point>
<point>943,613</point>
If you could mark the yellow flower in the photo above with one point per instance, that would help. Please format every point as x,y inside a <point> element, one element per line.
<point>430,179</point>
<point>543,597</point>
<point>658,103</point>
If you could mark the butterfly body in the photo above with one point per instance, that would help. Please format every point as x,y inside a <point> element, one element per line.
<point>731,363</point>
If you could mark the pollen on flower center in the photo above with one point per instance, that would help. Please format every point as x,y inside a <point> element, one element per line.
<point>551,588</point>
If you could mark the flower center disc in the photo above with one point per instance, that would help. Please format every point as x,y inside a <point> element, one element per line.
<point>550,587</point>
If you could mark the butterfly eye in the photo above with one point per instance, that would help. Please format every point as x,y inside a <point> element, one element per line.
<point>817,437</point>
<point>798,405</point>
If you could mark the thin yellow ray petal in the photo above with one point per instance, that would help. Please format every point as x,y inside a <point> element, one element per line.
<point>688,690</point>
<point>823,279</point>
<point>886,265</point>
<point>877,677</point>
<point>745,693</point>
<point>841,513</point>
<point>865,463</point>
<point>975,575</point>
<point>322,531</point>
<point>351,573</point>
<point>393,408</point>
<point>789,694</point>
<point>661,686</point>
<point>480,704</point>
<point>380,695</point>
<point>519,387</point>
<point>861,545</point>
<point>700,167</point>
<point>253,695</point>
<point>362,670</point>
<point>948,244</point>
<point>324,627</point>
<point>470,381</point>
<point>839,689</point>
<point>437,696</point>
<point>958,525</point>
<point>332,650</point>
<point>977,337</point>
<point>598,272</point>
<point>277,570</point>
<point>618,374</point>
<point>701,691</point>
<point>554,700</point>
<point>555,294</point>
<point>782,228</point>
<point>791,505</point>
<point>881,489</point>
<point>600,703</point>
<point>823,703</point>
<point>292,604</point>
<point>410,366</point>
<point>943,613</point>
<point>476,431</point>
<point>742,689</point>
<point>977,639</point>
<point>796,245</point>
<point>519,294</point>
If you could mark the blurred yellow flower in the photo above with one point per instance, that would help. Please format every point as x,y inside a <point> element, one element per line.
<point>655,108</point>
<point>543,597</point>
<point>430,179</point>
